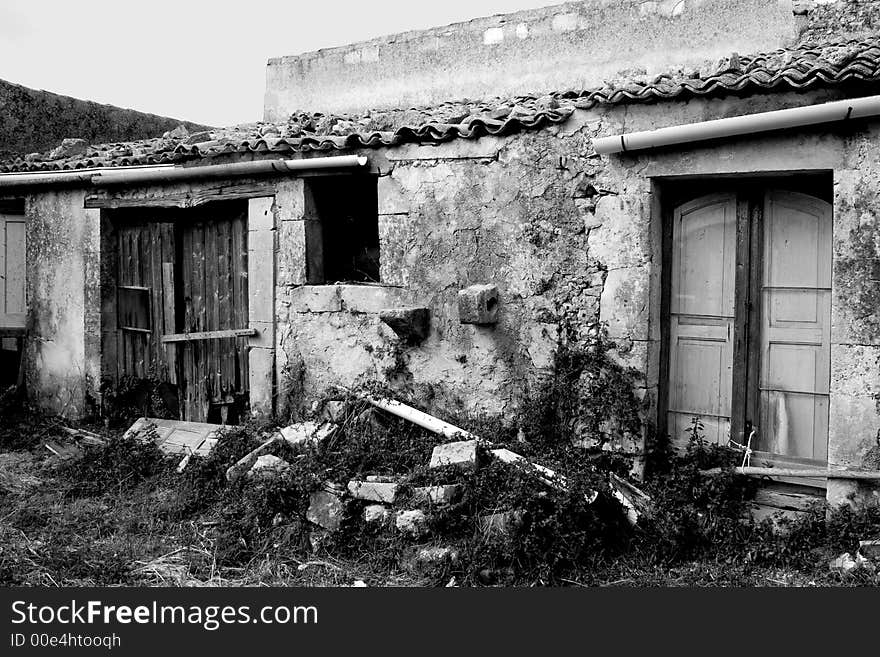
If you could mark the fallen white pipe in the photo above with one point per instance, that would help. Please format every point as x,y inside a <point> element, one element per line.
<point>170,173</point>
<point>423,420</point>
<point>840,110</point>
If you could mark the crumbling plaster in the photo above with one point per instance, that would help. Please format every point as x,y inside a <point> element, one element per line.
<point>571,239</point>
<point>63,296</point>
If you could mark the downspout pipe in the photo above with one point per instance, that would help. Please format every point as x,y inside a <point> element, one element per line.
<point>169,173</point>
<point>839,110</point>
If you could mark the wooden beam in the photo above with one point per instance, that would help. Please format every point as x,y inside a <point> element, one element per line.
<point>189,199</point>
<point>801,473</point>
<point>209,335</point>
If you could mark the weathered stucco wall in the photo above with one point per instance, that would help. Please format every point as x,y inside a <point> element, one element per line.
<point>571,45</point>
<point>571,239</point>
<point>63,295</point>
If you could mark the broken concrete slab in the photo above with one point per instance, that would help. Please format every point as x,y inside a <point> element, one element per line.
<point>410,324</point>
<point>326,508</point>
<point>176,437</point>
<point>373,491</point>
<point>437,495</point>
<point>462,454</point>
<point>478,304</point>
<point>414,523</point>
<point>307,433</point>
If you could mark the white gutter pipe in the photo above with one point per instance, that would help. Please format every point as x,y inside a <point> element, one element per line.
<point>840,110</point>
<point>171,173</point>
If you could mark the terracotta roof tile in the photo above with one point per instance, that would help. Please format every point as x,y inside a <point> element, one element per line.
<point>802,67</point>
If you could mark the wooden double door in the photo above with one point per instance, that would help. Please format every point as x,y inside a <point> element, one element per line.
<point>182,305</point>
<point>749,321</point>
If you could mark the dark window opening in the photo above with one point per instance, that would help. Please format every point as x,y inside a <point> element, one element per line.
<point>342,239</point>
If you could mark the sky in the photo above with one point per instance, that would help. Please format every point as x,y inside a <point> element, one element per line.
<point>195,60</point>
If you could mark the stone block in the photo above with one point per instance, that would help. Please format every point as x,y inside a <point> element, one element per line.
<point>377,514</point>
<point>260,215</point>
<point>315,299</point>
<point>478,304</point>
<point>461,454</point>
<point>373,491</point>
<point>261,375</point>
<point>370,298</point>
<point>261,276</point>
<point>410,324</point>
<point>267,465</point>
<point>437,494</point>
<point>413,523</point>
<point>326,509</point>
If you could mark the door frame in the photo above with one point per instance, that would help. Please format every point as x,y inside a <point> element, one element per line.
<point>668,194</point>
<point>262,245</point>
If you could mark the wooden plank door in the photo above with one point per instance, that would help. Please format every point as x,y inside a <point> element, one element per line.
<point>12,271</point>
<point>795,340</point>
<point>702,316</point>
<point>142,311</point>
<point>212,265</point>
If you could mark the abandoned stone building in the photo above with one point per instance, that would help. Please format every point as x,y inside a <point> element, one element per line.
<point>409,234</point>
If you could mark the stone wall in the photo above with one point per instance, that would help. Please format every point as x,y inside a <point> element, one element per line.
<point>63,295</point>
<point>570,238</point>
<point>36,121</point>
<point>572,45</point>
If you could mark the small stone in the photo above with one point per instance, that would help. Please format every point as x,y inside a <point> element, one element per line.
<point>69,148</point>
<point>359,584</point>
<point>326,509</point>
<point>410,324</point>
<point>267,465</point>
<point>845,564</point>
<point>434,561</point>
<point>413,523</point>
<point>478,304</point>
<point>462,454</point>
<point>437,494</point>
<point>376,514</point>
<point>373,491</point>
<point>870,549</point>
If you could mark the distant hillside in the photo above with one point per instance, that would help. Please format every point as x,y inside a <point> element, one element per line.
<point>36,121</point>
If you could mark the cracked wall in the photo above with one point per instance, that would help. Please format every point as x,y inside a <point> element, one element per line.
<point>63,295</point>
